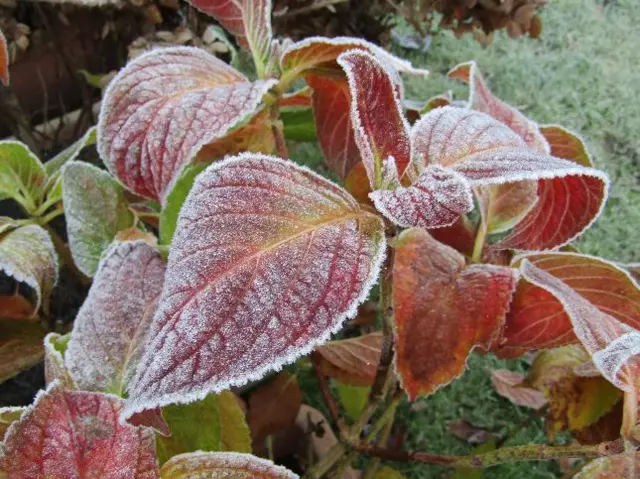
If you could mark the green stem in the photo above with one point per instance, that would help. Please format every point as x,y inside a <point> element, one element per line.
<point>45,206</point>
<point>387,419</point>
<point>43,220</point>
<point>478,246</point>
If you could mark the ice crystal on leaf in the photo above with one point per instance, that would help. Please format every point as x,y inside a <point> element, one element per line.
<point>163,107</point>
<point>267,260</point>
<point>111,327</point>
<point>221,465</point>
<point>76,434</point>
<point>54,367</point>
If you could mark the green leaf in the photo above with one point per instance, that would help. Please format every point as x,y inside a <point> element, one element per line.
<point>194,427</point>
<point>353,398</point>
<point>95,209</point>
<point>22,176</point>
<point>235,434</point>
<point>179,192</point>
<point>299,124</point>
<point>28,255</point>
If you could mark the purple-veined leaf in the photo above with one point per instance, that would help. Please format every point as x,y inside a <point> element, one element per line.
<point>4,60</point>
<point>28,255</point>
<point>482,99</point>
<point>223,464</point>
<point>268,259</point>
<point>112,324</point>
<point>380,128</point>
<point>55,347</point>
<point>75,434</point>
<point>248,20</point>
<point>163,107</point>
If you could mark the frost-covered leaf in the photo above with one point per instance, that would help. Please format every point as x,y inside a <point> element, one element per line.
<point>437,198</point>
<point>267,260</point>
<point>486,152</point>
<point>537,319</point>
<point>77,434</point>
<point>248,20</point>
<point>20,347</point>
<point>613,345</point>
<point>194,427</point>
<point>504,206</point>
<point>163,107</point>
<point>95,210</point>
<point>574,402</point>
<point>332,110</point>
<point>220,465</point>
<point>379,126</point>
<point>438,101</point>
<point>113,322</point>
<point>9,415</point>
<point>300,97</point>
<point>351,361</point>
<point>175,199</point>
<point>234,431</point>
<point>55,347</point>
<point>4,60</point>
<point>566,144</point>
<point>443,309</point>
<point>273,407</point>
<point>482,99</point>
<point>22,175</point>
<point>320,53</point>
<point>28,255</point>
<point>611,467</point>
<point>510,385</point>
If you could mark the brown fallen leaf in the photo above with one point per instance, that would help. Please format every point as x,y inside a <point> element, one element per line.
<point>510,385</point>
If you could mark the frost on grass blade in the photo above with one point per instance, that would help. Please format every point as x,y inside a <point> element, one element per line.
<point>332,111</point>
<point>28,255</point>
<point>443,309</point>
<point>486,152</point>
<point>163,107</point>
<point>268,259</point>
<point>351,361</point>
<point>112,324</point>
<point>537,319</point>
<point>482,99</point>
<point>22,176</point>
<point>95,209</point>
<point>248,20</point>
<point>77,434</point>
<point>379,125</point>
<point>566,144</point>
<point>4,60</point>
<point>55,347</point>
<point>223,464</point>
<point>613,345</point>
<point>436,199</point>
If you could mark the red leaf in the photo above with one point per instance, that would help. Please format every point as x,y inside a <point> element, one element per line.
<point>4,60</point>
<point>351,361</point>
<point>482,99</point>
<point>163,107</point>
<point>332,110</point>
<point>300,97</point>
<point>248,20</point>
<point>267,260</point>
<point>77,434</point>
<point>613,345</point>
<point>460,235</point>
<point>112,324</point>
<point>510,385</point>
<point>223,464</point>
<point>443,309</point>
<point>537,319</point>
<point>436,199</point>
<point>566,144</point>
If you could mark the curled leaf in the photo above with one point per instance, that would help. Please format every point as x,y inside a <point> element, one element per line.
<point>443,309</point>
<point>351,361</point>
<point>566,144</point>
<point>55,347</point>
<point>223,464</point>
<point>510,385</point>
<point>268,260</point>
<point>163,107</point>
<point>112,324</point>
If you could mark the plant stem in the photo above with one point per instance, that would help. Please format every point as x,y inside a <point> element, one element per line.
<point>386,424</point>
<point>277,129</point>
<point>478,246</point>
<point>533,452</point>
<point>328,398</point>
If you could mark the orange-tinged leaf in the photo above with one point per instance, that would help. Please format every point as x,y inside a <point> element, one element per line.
<point>566,144</point>
<point>503,206</point>
<point>460,235</point>
<point>438,101</point>
<point>268,259</point>
<point>510,385</point>
<point>443,309</point>
<point>16,306</point>
<point>357,183</point>
<point>380,128</point>
<point>77,434</point>
<point>4,60</point>
<point>300,97</point>
<point>220,465</point>
<point>482,99</point>
<point>351,361</point>
<point>538,320</point>
<point>332,111</point>
<point>163,107</point>
<point>20,347</point>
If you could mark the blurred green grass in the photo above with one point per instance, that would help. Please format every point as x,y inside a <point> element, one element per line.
<point>583,73</point>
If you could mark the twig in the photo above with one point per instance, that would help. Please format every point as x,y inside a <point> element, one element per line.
<point>334,410</point>
<point>314,6</point>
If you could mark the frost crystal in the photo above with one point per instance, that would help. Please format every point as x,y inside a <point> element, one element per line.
<point>223,464</point>
<point>267,261</point>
